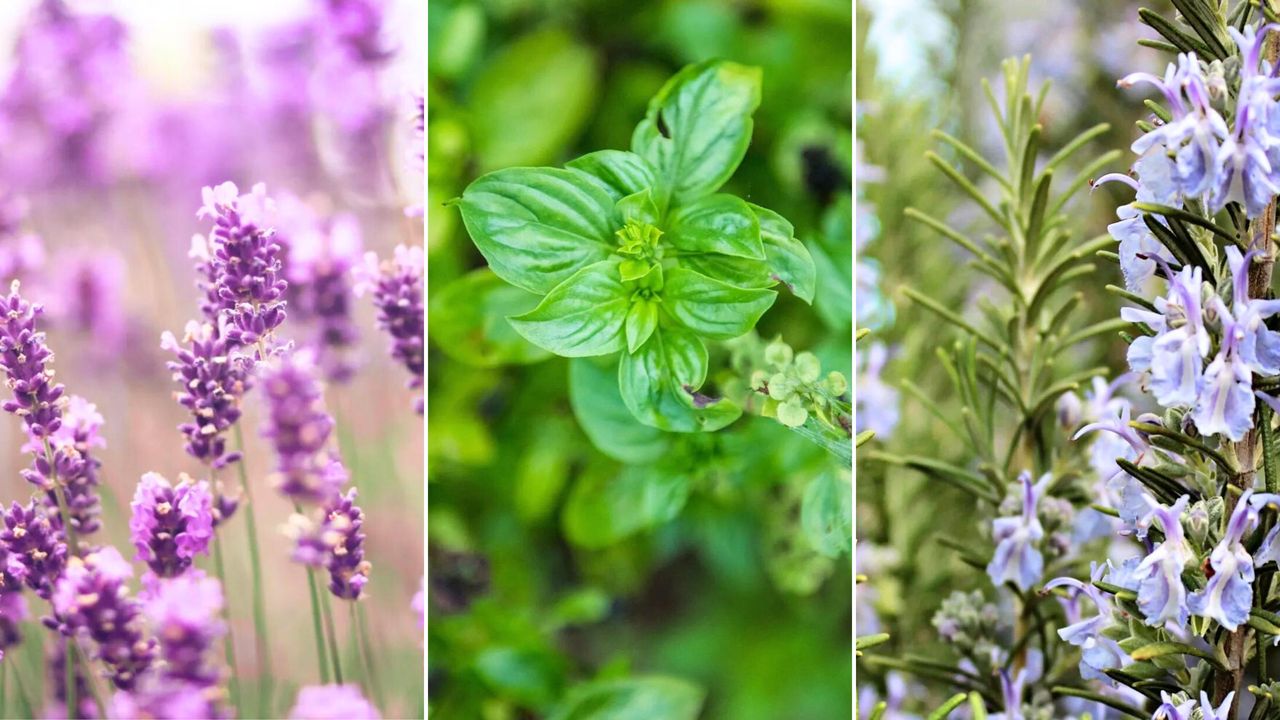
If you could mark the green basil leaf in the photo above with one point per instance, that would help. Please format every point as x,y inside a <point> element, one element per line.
<point>712,308</point>
<point>622,173</point>
<point>638,698</point>
<point>581,316</point>
<point>528,677</point>
<point>538,226</point>
<point>698,126</point>
<point>642,320</point>
<point>468,320</point>
<point>825,514</point>
<point>604,417</point>
<point>716,224</point>
<point>787,256</point>
<point>532,99</point>
<point>638,207</point>
<point>603,508</point>
<point>742,272</point>
<point>659,385</point>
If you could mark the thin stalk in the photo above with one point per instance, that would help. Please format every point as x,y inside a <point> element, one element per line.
<point>366,650</point>
<point>73,548</point>
<point>261,642</point>
<point>228,640</point>
<point>4,689</point>
<point>316,627</point>
<point>24,700</point>
<point>331,630</point>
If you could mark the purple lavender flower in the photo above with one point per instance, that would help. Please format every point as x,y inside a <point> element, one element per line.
<point>186,614</point>
<point>1161,595</point>
<point>299,428</point>
<point>244,284</point>
<point>36,546</point>
<point>89,298</point>
<point>57,679</point>
<point>13,610</point>
<point>171,525</point>
<point>337,543</point>
<point>73,466</point>
<point>396,286</point>
<point>1228,595</point>
<point>1016,558</point>
<point>332,702</point>
<point>211,380</point>
<point>1098,652</point>
<point>23,355</point>
<point>320,255</point>
<point>157,698</point>
<point>1175,356</point>
<point>92,599</point>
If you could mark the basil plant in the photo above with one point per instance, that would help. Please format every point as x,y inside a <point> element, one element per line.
<point>635,253</point>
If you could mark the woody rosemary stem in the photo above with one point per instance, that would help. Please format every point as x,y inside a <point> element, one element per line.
<point>255,562</point>
<point>1245,452</point>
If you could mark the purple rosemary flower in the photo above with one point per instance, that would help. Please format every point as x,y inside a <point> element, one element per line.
<point>332,702</point>
<point>1161,595</point>
<point>1269,550</point>
<point>1243,169</point>
<point>36,546</point>
<point>93,599</point>
<point>1228,595</point>
<point>186,615</point>
<point>300,429</point>
<point>1017,559</point>
<point>211,380</point>
<point>74,466</point>
<point>1098,652</point>
<point>1222,712</point>
<point>1258,345</point>
<point>1139,247</point>
<point>171,525</point>
<point>876,402</point>
<point>320,256</point>
<point>240,260</point>
<point>337,543</point>
<point>1175,356</point>
<point>396,286</point>
<point>37,399</point>
<point>1169,710</point>
<point>1012,685</point>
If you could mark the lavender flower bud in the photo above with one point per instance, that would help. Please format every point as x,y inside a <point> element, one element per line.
<point>23,354</point>
<point>211,381</point>
<point>396,286</point>
<point>332,702</point>
<point>92,599</point>
<point>244,284</point>
<point>185,613</point>
<point>171,525</point>
<point>37,549</point>
<point>73,466</point>
<point>299,428</point>
<point>337,543</point>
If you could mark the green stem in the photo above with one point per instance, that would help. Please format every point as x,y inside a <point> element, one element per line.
<point>24,700</point>
<point>316,627</point>
<point>228,640</point>
<point>261,642</point>
<point>334,654</point>
<point>73,547</point>
<point>69,678</point>
<point>366,650</point>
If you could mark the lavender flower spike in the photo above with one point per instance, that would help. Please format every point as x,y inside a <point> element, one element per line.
<point>300,429</point>
<point>337,544</point>
<point>73,466</point>
<point>1016,558</point>
<point>1228,595</point>
<point>241,262</point>
<point>397,287</point>
<point>37,548</point>
<point>1161,595</point>
<point>332,702</point>
<point>23,354</point>
<point>93,599</point>
<point>211,383</point>
<point>171,525</point>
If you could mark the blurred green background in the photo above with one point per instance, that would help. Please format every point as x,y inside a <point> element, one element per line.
<point>539,581</point>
